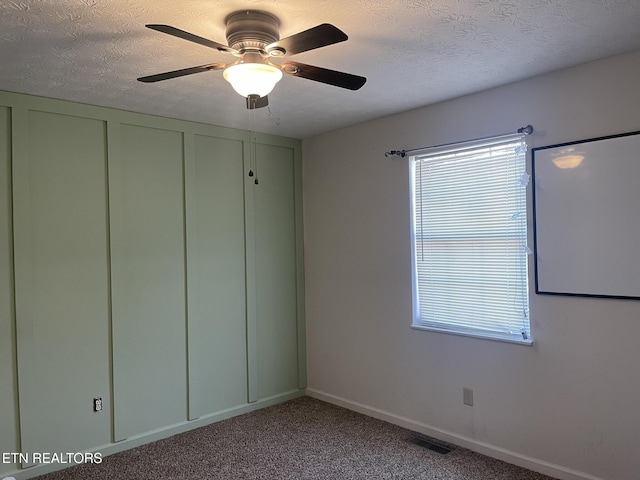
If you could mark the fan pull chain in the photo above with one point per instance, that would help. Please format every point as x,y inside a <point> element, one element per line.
<point>255,161</point>
<point>252,142</point>
<point>255,158</point>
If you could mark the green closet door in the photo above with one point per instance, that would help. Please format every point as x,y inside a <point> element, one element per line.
<point>8,404</point>
<point>275,284</point>
<point>215,246</point>
<point>61,281</point>
<point>148,279</point>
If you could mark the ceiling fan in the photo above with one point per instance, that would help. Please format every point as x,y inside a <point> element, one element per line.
<point>253,38</point>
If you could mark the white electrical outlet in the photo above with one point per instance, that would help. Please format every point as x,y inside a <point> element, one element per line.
<point>97,404</point>
<point>467,396</point>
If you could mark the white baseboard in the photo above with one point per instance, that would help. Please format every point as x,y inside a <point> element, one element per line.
<point>514,458</point>
<point>159,434</point>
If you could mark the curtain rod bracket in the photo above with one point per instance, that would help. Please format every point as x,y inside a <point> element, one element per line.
<point>528,130</point>
<point>400,153</point>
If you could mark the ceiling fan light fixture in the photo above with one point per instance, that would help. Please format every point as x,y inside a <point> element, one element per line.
<point>253,37</point>
<point>252,78</point>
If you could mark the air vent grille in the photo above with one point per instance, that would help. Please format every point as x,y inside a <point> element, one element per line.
<point>423,442</point>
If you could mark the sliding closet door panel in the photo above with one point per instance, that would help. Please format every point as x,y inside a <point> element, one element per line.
<point>148,279</point>
<point>215,235</point>
<point>275,243</point>
<point>61,281</point>
<point>8,397</point>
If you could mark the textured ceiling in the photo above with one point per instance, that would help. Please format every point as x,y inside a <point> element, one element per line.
<point>413,52</point>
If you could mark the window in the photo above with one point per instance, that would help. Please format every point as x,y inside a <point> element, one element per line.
<point>470,239</point>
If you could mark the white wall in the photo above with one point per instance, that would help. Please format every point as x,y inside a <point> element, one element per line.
<point>570,405</point>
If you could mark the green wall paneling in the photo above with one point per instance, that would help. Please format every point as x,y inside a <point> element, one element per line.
<point>8,398</point>
<point>61,279</point>
<point>216,275</point>
<point>148,278</point>
<point>119,224</point>
<point>275,270</point>
<point>250,262</point>
<point>299,253</point>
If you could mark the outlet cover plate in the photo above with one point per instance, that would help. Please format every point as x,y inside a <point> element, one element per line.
<point>467,396</point>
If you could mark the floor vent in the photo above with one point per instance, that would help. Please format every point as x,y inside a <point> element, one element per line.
<point>430,445</point>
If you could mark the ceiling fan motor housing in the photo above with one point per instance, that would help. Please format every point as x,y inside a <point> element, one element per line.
<point>251,30</point>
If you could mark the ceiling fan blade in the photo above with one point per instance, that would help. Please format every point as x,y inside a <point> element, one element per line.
<point>315,37</point>
<point>323,75</point>
<point>254,101</point>
<point>176,32</point>
<point>181,73</point>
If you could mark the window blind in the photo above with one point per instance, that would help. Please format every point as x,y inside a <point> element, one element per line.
<point>470,238</point>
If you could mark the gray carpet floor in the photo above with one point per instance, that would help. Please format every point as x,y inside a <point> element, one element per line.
<point>301,439</point>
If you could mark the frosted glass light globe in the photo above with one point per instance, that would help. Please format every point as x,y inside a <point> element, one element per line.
<point>252,78</point>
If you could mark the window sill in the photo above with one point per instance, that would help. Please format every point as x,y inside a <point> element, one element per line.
<point>528,342</point>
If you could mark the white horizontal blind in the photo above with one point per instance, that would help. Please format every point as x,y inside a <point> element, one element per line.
<point>470,239</point>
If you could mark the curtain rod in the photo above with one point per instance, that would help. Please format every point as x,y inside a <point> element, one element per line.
<point>528,130</point>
